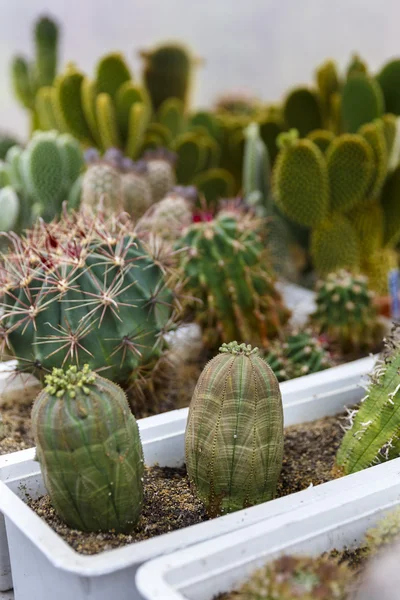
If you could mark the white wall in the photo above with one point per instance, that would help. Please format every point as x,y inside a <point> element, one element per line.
<point>263,46</point>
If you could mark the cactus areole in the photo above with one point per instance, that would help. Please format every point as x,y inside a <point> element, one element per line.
<point>89,450</point>
<point>234,433</point>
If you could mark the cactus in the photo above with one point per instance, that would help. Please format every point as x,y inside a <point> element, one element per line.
<point>234,432</point>
<point>85,290</point>
<point>67,97</point>
<point>328,84</point>
<point>160,172</point>
<point>300,180</point>
<point>335,244</point>
<point>167,218</point>
<point>227,269</point>
<point>7,141</point>
<point>356,66</point>
<point>101,188</point>
<point>346,312</point>
<point>89,449</point>
<point>171,115</point>
<point>291,577</point>
<point>369,225</point>
<point>362,102</point>
<point>214,184</point>
<point>9,208</point>
<point>350,163</point>
<point>372,435</point>
<point>374,134</point>
<point>111,73</point>
<point>389,80</point>
<point>302,111</point>
<point>377,267</point>
<point>390,204</point>
<point>167,73</point>
<point>321,138</point>
<point>29,77</point>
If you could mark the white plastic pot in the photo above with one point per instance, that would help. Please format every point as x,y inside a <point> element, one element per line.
<point>44,566</point>
<point>221,565</point>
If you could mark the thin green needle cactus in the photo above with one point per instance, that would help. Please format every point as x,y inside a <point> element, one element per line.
<point>89,449</point>
<point>234,433</point>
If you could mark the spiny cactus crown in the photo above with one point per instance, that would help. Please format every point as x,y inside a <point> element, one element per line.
<point>60,382</point>
<point>235,348</point>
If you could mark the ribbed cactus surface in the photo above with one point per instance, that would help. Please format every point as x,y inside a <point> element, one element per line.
<point>89,449</point>
<point>234,433</point>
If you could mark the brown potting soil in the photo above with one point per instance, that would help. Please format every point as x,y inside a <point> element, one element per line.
<point>169,504</point>
<point>15,428</point>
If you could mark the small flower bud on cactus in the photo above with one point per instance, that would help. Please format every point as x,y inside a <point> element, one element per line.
<point>345,311</point>
<point>89,450</point>
<point>291,577</point>
<point>234,433</point>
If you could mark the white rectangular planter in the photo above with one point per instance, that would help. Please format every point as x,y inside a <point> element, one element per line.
<point>44,566</point>
<point>221,565</point>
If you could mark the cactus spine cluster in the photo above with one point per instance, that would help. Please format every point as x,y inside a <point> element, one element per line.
<point>226,267</point>
<point>346,312</point>
<point>372,435</point>
<point>89,449</point>
<point>234,433</point>
<point>83,290</point>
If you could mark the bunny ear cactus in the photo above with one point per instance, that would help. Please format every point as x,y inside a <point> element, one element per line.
<point>328,84</point>
<point>234,433</point>
<point>346,312</point>
<point>302,111</point>
<point>375,136</point>
<point>362,102</point>
<point>227,268</point>
<point>322,138</point>
<point>89,449</point>
<point>389,80</point>
<point>373,433</point>
<point>86,290</point>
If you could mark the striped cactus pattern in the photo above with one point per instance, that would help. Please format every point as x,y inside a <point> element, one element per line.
<point>89,449</point>
<point>234,434</point>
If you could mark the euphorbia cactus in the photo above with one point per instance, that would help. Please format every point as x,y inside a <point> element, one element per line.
<point>89,449</point>
<point>234,432</point>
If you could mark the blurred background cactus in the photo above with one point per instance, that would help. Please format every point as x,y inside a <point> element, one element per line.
<point>92,460</point>
<point>234,432</point>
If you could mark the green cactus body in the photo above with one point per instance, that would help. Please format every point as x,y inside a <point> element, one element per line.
<point>7,141</point>
<point>270,129</point>
<point>374,134</point>
<point>136,194</point>
<point>335,245</point>
<point>350,162</point>
<point>139,118</point>
<point>88,100</point>
<point>306,354</point>
<point>102,184</point>
<point>356,67</point>
<point>215,184</point>
<point>234,433</point>
<point>161,177</point>
<point>368,221</point>
<point>46,109</point>
<point>345,311</point>
<point>328,84</point>
<point>373,435</point>
<point>302,111</point>
<point>226,268</point>
<point>377,267</point>
<point>167,73</point>
<point>362,102</point>
<point>300,181</point>
<point>192,157</point>
<point>128,94</point>
<point>390,204</point>
<point>46,44</point>
<point>302,577</point>
<point>9,208</point>
<point>321,138</point>
<point>278,363</point>
<point>89,449</point>
<point>389,81</point>
<point>93,294</point>
<point>167,218</point>
<point>171,115</point>
<point>68,97</point>
<point>13,160</point>
<point>72,158</point>
<point>107,122</point>
<point>111,73</point>
<point>390,131</point>
<point>22,84</point>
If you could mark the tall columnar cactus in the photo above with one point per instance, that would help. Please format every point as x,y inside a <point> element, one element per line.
<point>85,290</point>
<point>234,433</point>
<point>373,432</point>
<point>89,449</point>
<point>345,311</point>
<point>29,77</point>
<point>304,577</point>
<point>226,267</point>
<point>167,73</point>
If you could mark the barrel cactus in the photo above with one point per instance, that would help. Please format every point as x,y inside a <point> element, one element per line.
<point>226,267</point>
<point>89,449</point>
<point>85,290</point>
<point>346,312</point>
<point>234,432</point>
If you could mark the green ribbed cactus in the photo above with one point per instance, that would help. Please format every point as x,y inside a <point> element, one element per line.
<point>86,290</point>
<point>335,244</point>
<point>346,312</point>
<point>302,111</point>
<point>89,449</point>
<point>362,102</point>
<point>234,432</point>
<point>227,268</point>
<point>389,81</point>
<point>373,433</point>
<point>302,577</point>
<point>167,73</point>
<point>29,77</point>
<point>350,163</point>
<point>300,180</point>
